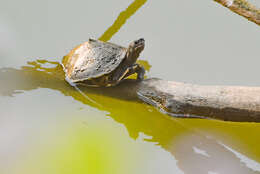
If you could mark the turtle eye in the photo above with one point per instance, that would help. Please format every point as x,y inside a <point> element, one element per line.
<point>139,41</point>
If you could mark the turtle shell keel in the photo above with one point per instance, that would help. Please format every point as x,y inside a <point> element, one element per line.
<point>92,59</point>
<point>97,63</point>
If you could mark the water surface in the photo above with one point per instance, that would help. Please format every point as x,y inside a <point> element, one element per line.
<point>47,126</point>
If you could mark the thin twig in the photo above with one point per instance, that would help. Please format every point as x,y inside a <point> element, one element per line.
<point>243,8</point>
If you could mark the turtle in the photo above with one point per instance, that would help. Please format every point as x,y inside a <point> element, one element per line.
<point>103,64</point>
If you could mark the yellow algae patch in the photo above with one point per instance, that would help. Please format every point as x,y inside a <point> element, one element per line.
<point>97,149</point>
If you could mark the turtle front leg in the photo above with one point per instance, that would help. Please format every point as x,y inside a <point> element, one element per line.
<point>136,68</point>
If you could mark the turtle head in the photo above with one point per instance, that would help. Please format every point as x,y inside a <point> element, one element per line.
<point>134,50</point>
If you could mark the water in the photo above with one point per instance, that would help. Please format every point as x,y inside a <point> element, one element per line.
<point>47,126</point>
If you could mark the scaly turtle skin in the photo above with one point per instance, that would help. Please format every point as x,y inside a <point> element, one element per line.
<point>97,63</point>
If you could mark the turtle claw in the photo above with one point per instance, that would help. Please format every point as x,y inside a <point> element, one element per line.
<point>140,73</point>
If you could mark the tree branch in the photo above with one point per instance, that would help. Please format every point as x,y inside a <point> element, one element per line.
<point>230,103</point>
<point>243,8</point>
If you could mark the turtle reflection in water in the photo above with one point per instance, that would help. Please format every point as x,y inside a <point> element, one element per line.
<point>97,63</point>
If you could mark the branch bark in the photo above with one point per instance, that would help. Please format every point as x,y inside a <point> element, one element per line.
<point>243,8</point>
<point>230,103</point>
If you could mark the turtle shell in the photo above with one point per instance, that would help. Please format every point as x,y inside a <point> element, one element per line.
<point>92,59</point>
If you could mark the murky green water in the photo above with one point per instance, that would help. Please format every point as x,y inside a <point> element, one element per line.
<point>46,126</point>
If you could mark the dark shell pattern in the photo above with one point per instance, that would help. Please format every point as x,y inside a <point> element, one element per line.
<point>94,59</point>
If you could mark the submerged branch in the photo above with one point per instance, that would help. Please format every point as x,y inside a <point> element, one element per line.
<point>243,8</point>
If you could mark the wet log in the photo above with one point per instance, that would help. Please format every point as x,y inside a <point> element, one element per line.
<point>230,103</point>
